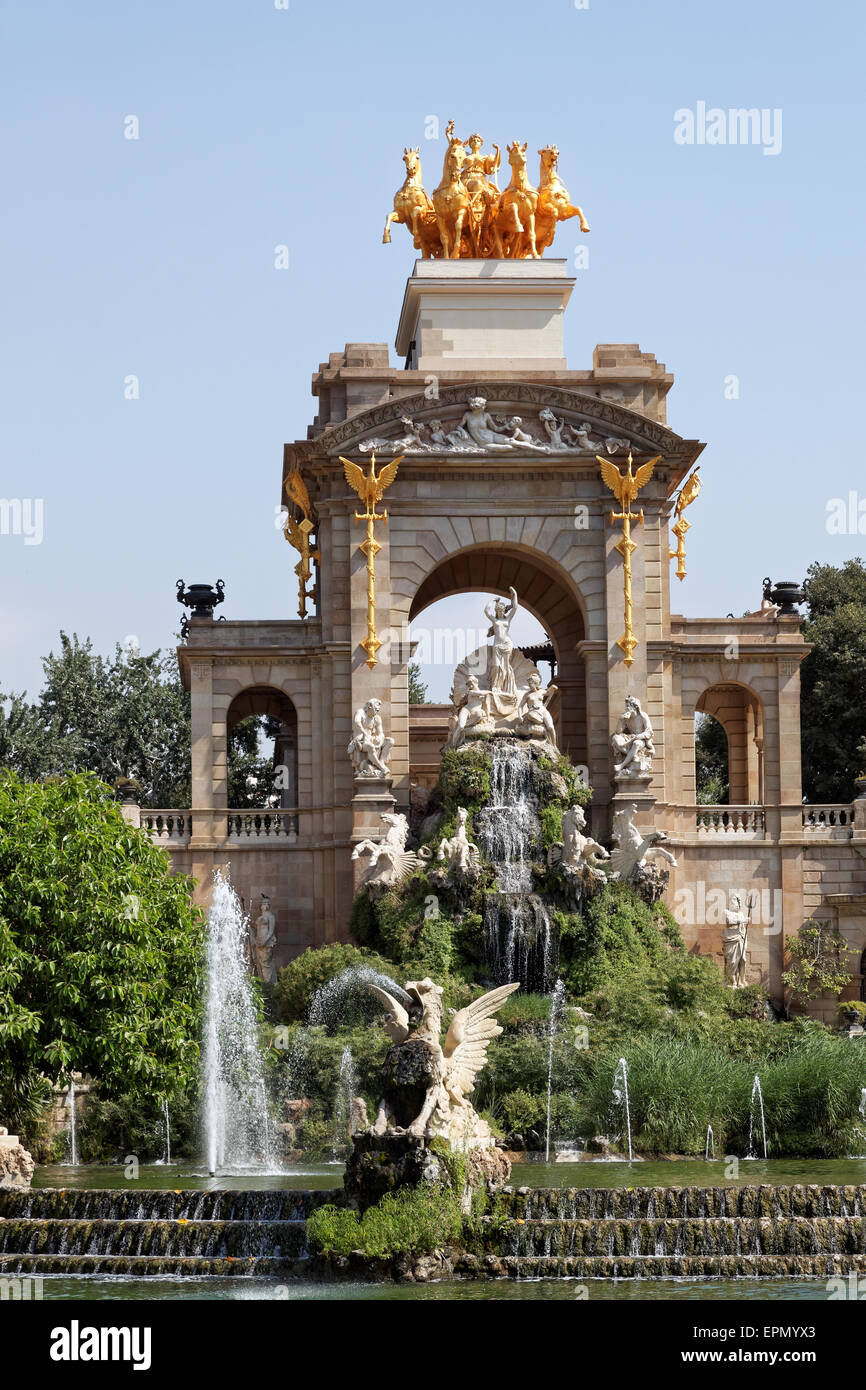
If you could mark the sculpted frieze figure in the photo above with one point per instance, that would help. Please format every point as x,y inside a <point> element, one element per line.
<point>368,748</point>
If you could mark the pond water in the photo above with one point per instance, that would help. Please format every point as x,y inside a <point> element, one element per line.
<point>100,1288</point>
<point>691,1172</point>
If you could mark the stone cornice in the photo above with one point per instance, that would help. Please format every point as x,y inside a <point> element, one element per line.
<point>647,435</point>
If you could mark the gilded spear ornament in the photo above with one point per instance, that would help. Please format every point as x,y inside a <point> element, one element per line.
<point>688,492</point>
<point>370,487</point>
<point>298,533</point>
<point>625,488</point>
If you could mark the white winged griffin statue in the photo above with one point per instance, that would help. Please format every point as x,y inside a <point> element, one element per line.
<point>425,1082</point>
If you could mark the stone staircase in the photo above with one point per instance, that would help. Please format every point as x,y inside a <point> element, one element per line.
<point>547,1233</point>
<point>138,1232</point>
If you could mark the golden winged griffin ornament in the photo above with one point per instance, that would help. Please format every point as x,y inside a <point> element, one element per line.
<point>370,487</point>
<point>298,531</point>
<point>625,488</point>
<point>687,495</point>
<point>419,1063</point>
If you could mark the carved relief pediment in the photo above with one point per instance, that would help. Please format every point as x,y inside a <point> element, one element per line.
<point>515,418</point>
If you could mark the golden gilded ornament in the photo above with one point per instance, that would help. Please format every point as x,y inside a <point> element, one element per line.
<point>370,487</point>
<point>298,533</point>
<point>625,488</point>
<point>688,492</point>
<point>469,217</point>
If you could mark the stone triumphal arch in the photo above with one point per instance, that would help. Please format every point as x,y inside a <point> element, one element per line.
<point>503,480</point>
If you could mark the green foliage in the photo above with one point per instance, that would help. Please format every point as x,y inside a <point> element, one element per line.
<point>464,779</point>
<point>850,1006</point>
<point>551,825</point>
<point>100,947</point>
<point>417,687</point>
<point>711,762</point>
<point>833,678</point>
<point>616,930</point>
<point>410,1221</point>
<point>298,981</point>
<point>818,956</point>
<point>124,716</point>
<point>110,1130</point>
<point>522,1110</point>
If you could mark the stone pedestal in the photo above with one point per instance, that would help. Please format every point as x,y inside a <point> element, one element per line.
<point>488,315</point>
<point>381,1163</point>
<point>635,789</point>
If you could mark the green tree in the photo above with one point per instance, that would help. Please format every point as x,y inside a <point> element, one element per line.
<point>711,762</point>
<point>818,958</point>
<point>833,710</point>
<point>123,716</point>
<point>417,687</point>
<point>100,948</point>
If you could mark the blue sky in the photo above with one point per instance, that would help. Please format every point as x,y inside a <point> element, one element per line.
<point>262,126</point>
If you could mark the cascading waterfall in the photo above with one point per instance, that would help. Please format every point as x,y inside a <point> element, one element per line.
<point>345,1101</point>
<point>167,1130</point>
<point>557,1000</point>
<point>518,933</point>
<point>753,1113</point>
<point>71,1132</point>
<point>710,1152</point>
<point>235,1102</point>
<point>620,1097</point>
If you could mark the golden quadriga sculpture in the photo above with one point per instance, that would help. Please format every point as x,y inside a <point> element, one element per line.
<point>469,217</point>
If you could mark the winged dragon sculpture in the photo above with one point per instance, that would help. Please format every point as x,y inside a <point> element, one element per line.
<point>426,1083</point>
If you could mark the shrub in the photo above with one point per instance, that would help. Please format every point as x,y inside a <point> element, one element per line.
<point>522,1110</point>
<point>409,1221</point>
<point>299,981</point>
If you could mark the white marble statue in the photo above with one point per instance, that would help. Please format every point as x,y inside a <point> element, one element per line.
<point>633,850</point>
<point>500,615</point>
<point>369,749</point>
<point>481,428</point>
<point>472,716</point>
<point>264,940</point>
<point>581,853</point>
<point>388,860</point>
<point>419,1062</point>
<point>632,741</point>
<point>459,853</point>
<point>734,942</point>
<point>534,720</point>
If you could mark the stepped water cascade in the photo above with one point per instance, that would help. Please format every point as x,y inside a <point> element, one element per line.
<point>236,1125</point>
<point>557,1004</point>
<point>620,1098</point>
<point>518,935</point>
<point>756,1110</point>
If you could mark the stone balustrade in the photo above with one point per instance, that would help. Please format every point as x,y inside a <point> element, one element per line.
<point>745,821</point>
<point>830,822</point>
<point>259,824</point>
<point>167,827</point>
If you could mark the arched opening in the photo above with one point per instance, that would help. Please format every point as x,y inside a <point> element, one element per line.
<point>711,762</point>
<point>262,749</point>
<point>739,712</point>
<point>447,621</point>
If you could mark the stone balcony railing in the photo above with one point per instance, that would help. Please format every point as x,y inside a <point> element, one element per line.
<point>829,822</point>
<point>257,824</point>
<point>168,827</point>
<point>746,822</point>
<point>246,825</point>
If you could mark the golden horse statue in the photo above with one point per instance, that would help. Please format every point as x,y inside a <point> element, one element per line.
<point>451,199</point>
<point>554,204</point>
<point>515,221</point>
<point>413,209</point>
